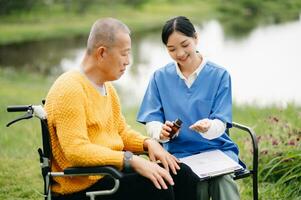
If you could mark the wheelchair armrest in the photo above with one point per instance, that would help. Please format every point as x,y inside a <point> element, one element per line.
<point>241,174</point>
<point>248,130</point>
<point>108,170</point>
<point>254,142</point>
<point>251,133</point>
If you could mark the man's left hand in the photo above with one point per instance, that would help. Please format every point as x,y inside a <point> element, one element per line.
<point>157,153</point>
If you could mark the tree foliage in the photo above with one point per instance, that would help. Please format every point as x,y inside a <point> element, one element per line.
<point>10,6</point>
<point>78,6</point>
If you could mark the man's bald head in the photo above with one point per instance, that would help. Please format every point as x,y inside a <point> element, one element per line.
<point>103,32</point>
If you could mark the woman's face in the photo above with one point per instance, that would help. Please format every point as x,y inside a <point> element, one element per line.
<point>182,48</point>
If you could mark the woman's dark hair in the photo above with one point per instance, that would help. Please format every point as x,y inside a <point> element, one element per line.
<point>180,24</point>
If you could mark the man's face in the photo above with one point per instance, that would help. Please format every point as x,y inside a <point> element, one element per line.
<point>118,56</point>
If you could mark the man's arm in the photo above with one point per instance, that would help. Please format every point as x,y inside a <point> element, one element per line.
<point>136,142</point>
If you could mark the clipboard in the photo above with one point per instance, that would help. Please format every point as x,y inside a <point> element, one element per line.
<point>211,164</point>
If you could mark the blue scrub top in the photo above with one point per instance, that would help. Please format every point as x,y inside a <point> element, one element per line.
<point>168,97</point>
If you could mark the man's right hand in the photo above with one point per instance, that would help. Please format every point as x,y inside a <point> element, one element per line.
<point>152,171</point>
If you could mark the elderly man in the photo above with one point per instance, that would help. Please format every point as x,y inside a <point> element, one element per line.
<point>87,127</point>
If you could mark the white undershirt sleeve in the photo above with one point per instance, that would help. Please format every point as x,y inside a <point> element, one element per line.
<point>217,128</point>
<point>153,130</point>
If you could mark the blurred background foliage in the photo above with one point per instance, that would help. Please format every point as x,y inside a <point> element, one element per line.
<point>238,17</point>
<point>241,16</point>
<point>21,21</point>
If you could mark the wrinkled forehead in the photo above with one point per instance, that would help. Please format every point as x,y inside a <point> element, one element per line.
<point>122,40</point>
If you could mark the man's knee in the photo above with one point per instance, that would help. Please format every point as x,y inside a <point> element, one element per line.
<point>186,171</point>
<point>185,183</point>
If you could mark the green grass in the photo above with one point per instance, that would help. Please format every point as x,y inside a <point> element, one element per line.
<point>279,134</point>
<point>19,164</point>
<point>278,130</point>
<point>57,23</point>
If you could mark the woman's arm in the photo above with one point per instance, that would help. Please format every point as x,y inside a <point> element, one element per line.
<point>209,129</point>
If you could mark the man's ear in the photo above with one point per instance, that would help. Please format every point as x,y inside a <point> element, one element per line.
<point>101,52</point>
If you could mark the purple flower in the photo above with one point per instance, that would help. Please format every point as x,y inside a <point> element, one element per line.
<point>292,142</point>
<point>274,142</point>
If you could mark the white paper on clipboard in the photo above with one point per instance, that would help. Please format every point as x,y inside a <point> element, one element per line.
<point>211,163</point>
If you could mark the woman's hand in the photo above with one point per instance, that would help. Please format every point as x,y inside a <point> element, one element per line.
<point>202,125</point>
<point>165,131</point>
<point>156,152</point>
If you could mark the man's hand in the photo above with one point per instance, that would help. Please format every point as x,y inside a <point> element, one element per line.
<point>156,152</point>
<point>152,171</point>
<point>202,126</point>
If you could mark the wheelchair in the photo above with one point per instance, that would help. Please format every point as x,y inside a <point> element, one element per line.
<point>45,157</point>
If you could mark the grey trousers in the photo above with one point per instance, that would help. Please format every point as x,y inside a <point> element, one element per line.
<point>218,188</point>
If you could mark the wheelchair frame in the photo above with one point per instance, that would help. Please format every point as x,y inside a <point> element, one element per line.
<point>45,156</point>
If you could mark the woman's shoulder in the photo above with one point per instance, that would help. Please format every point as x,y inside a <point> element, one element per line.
<point>216,68</point>
<point>166,69</point>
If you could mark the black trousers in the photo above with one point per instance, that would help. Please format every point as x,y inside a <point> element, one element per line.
<point>136,187</point>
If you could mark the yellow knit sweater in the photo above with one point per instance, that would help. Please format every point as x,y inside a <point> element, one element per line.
<point>86,129</point>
